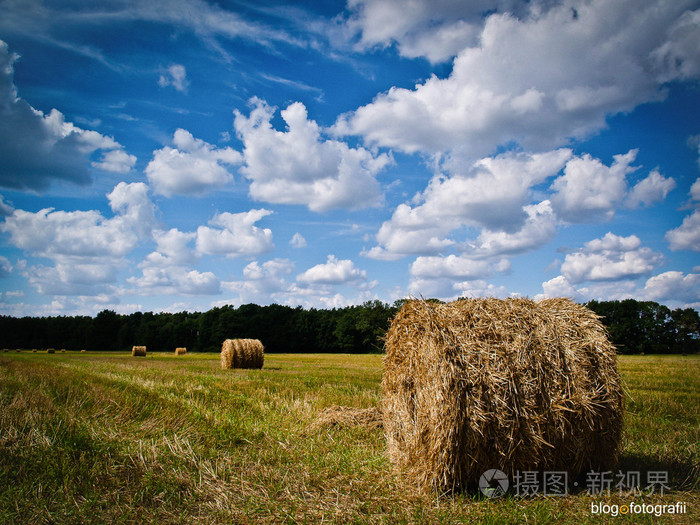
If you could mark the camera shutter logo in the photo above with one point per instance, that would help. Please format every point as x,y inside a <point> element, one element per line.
<point>493,483</point>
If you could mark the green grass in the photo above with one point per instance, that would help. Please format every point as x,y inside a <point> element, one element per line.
<point>107,438</point>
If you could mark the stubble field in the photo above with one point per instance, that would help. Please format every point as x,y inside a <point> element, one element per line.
<point>110,438</point>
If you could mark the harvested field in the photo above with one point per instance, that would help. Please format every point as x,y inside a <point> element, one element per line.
<point>104,438</point>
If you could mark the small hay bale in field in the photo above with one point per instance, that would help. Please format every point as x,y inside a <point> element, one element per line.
<point>50,351</point>
<point>514,385</point>
<point>63,350</point>
<point>34,351</point>
<point>139,351</point>
<point>349,417</point>
<point>180,351</point>
<point>83,351</point>
<point>242,353</point>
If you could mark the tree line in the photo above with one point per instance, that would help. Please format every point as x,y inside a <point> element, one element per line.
<point>634,327</point>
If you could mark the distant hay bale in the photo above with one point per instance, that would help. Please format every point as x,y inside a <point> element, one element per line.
<point>139,351</point>
<point>514,385</point>
<point>242,353</point>
<point>347,417</point>
<point>180,351</point>
<point>83,351</point>
<point>34,350</point>
<point>63,350</point>
<point>50,351</point>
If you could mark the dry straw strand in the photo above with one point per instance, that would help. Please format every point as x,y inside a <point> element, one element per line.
<point>180,351</point>
<point>242,353</point>
<point>511,384</point>
<point>139,351</point>
<point>346,417</point>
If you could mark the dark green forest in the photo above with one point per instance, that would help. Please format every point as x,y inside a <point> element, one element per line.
<point>634,327</point>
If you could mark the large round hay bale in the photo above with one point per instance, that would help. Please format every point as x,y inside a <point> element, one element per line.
<point>242,353</point>
<point>139,351</point>
<point>50,350</point>
<point>514,385</point>
<point>180,351</point>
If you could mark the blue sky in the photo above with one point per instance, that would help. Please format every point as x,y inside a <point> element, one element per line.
<point>180,155</point>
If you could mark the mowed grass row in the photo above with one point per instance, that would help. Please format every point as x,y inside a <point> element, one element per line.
<point>100,437</point>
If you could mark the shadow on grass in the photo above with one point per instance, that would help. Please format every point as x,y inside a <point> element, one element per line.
<point>683,473</point>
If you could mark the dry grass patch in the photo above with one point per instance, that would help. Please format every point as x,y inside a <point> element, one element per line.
<point>350,417</point>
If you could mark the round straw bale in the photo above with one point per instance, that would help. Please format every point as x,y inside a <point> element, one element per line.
<point>50,351</point>
<point>83,351</point>
<point>180,351</point>
<point>139,351</point>
<point>514,385</point>
<point>242,353</point>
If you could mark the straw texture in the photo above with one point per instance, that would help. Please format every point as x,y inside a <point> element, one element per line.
<point>347,417</point>
<point>180,351</point>
<point>511,384</point>
<point>242,353</point>
<point>139,351</point>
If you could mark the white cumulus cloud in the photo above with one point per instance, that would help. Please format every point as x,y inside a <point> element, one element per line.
<point>235,235</point>
<point>687,235</point>
<point>654,188</point>
<point>262,281</point>
<point>87,249</point>
<point>193,166</point>
<point>539,228</point>
<point>300,166</point>
<point>492,193</point>
<point>673,286</point>
<point>175,280</point>
<point>116,161</point>
<point>610,258</point>
<point>436,30</point>
<point>450,276</point>
<point>538,80</point>
<point>333,271</point>
<point>50,233</point>
<point>589,190</point>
